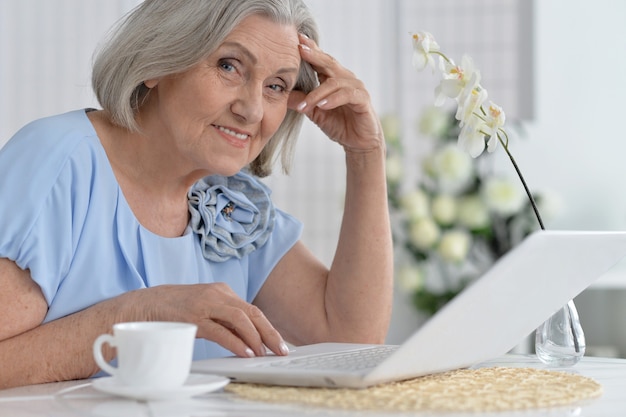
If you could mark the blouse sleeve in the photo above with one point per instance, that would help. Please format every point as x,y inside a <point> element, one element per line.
<point>286,233</point>
<point>40,210</point>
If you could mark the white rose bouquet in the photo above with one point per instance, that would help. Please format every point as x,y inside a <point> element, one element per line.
<point>458,217</point>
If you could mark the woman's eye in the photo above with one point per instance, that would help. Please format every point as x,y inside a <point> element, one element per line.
<point>227,66</point>
<point>278,88</point>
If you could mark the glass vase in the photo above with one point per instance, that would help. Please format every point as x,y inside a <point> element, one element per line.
<point>560,340</point>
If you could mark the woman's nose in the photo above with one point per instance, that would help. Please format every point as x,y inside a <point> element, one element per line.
<point>249,103</point>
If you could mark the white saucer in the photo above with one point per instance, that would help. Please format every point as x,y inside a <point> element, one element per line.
<point>196,384</point>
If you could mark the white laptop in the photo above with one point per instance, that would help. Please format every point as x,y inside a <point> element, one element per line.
<point>490,317</point>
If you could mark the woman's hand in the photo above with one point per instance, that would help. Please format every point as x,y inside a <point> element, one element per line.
<point>61,349</point>
<point>221,315</point>
<point>340,105</point>
<point>351,301</point>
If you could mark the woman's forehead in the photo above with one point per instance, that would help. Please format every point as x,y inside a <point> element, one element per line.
<point>262,38</point>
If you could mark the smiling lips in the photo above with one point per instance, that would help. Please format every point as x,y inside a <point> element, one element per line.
<point>229,132</point>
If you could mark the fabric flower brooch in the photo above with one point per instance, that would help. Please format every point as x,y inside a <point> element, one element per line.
<point>232,215</point>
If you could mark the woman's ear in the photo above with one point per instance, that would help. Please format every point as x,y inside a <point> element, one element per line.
<point>151,83</point>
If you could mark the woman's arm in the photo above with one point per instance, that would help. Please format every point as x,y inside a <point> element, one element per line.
<point>33,353</point>
<point>352,300</point>
<point>360,283</point>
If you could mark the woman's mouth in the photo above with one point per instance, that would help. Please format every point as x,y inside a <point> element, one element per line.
<point>229,132</point>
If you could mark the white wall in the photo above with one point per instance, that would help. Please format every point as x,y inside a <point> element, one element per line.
<point>576,146</point>
<point>45,56</point>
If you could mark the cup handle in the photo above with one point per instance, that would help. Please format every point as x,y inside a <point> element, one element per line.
<point>97,353</point>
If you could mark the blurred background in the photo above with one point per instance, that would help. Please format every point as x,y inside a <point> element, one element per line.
<point>557,67</point>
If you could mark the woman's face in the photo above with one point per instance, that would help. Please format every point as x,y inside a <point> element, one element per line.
<point>218,116</point>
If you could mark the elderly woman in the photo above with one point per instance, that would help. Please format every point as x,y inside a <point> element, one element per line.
<point>151,208</point>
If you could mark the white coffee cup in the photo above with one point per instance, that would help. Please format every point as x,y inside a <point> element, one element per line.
<point>149,354</point>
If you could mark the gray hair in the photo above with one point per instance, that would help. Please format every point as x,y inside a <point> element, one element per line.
<point>164,37</point>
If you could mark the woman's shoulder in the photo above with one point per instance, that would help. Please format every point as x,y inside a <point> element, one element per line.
<point>52,129</point>
<point>54,155</point>
<point>46,185</point>
<point>48,143</point>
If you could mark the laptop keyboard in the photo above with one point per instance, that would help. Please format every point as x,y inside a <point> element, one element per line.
<point>353,360</point>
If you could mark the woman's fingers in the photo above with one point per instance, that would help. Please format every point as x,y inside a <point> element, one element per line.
<point>340,105</point>
<point>225,337</point>
<point>243,329</point>
<point>338,86</point>
<point>221,315</point>
<point>324,64</point>
<point>238,326</point>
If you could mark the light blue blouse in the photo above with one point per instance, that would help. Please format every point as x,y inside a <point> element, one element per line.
<point>64,217</point>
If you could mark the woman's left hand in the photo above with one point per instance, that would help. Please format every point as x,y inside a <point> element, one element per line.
<point>340,105</point>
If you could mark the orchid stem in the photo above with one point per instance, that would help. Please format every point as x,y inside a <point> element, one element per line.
<point>521,177</point>
<point>448,60</point>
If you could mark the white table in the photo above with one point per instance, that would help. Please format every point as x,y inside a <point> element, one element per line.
<point>78,398</point>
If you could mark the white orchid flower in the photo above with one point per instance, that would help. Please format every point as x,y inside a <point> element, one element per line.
<point>423,45</point>
<point>469,108</point>
<point>502,196</point>
<point>454,245</point>
<point>458,80</point>
<point>493,122</point>
<point>424,233</point>
<point>472,138</point>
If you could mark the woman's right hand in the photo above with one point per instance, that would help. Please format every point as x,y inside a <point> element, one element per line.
<point>220,314</point>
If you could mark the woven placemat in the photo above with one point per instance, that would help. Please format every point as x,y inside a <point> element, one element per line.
<point>475,390</point>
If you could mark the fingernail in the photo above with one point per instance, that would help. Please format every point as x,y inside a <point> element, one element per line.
<point>305,47</point>
<point>250,353</point>
<point>322,103</point>
<point>284,349</point>
<point>304,35</point>
<point>301,106</point>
